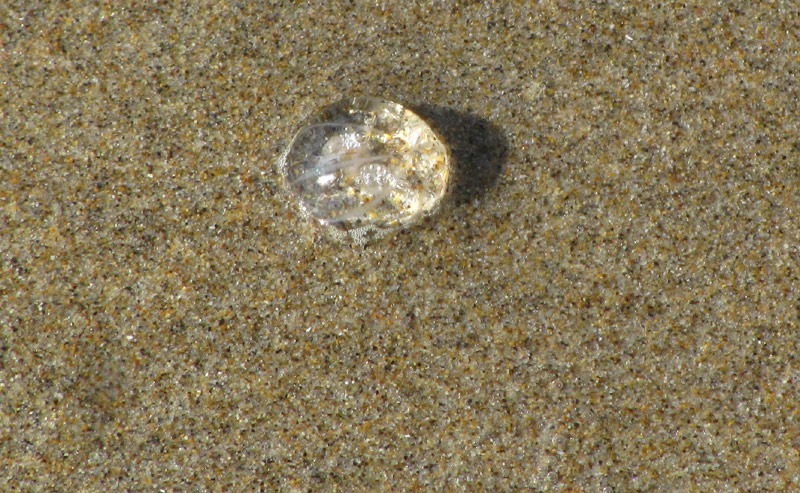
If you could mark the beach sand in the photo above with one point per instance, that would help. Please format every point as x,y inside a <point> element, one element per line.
<point>609,299</point>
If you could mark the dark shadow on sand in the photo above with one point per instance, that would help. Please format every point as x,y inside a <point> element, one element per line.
<point>478,148</point>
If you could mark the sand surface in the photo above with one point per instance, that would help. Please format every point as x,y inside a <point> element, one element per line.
<point>609,299</point>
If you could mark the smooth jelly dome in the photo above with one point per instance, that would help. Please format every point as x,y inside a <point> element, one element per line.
<point>366,166</point>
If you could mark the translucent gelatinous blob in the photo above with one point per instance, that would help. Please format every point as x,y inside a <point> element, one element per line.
<point>366,166</point>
